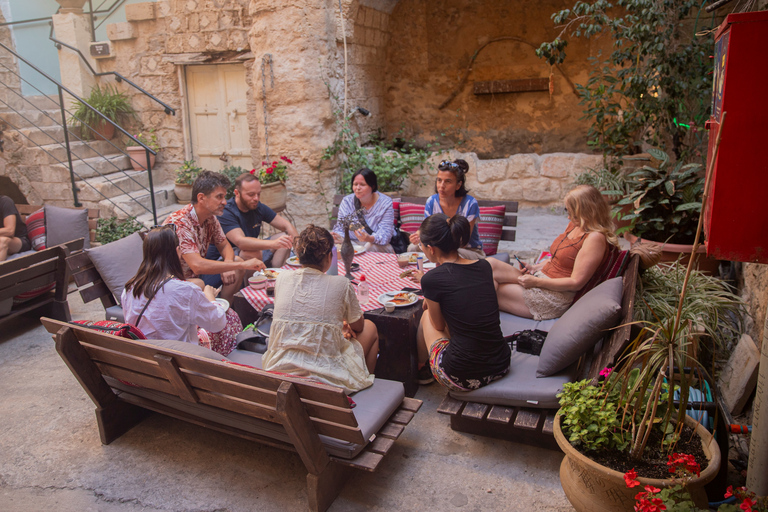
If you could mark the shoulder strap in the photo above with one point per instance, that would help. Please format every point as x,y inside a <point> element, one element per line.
<point>360,218</point>
<point>150,299</point>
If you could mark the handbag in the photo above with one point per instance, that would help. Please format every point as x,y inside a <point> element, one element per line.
<point>251,339</point>
<point>528,341</point>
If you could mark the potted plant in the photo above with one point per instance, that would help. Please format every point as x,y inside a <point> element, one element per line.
<point>185,177</point>
<point>138,154</point>
<point>666,204</point>
<point>114,105</point>
<point>272,177</point>
<point>232,172</point>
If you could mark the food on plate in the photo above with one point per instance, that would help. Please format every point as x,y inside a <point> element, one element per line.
<point>413,257</point>
<point>403,298</point>
<point>271,274</point>
<point>293,260</point>
<point>408,272</point>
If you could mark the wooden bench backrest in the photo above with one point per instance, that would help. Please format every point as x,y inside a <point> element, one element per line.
<point>231,387</point>
<point>35,270</point>
<point>93,216</point>
<point>510,216</point>
<point>610,350</point>
<point>88,280</point>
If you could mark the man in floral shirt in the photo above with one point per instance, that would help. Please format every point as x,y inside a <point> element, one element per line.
<point>197,228</point>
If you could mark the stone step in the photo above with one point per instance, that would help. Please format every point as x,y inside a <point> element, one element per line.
<point>130,204</point>
<point>31,118</point>
<point>42,102</point>
<point>115,184</point>
<point>90,167</point>
<point>57,153</point>
<point>162,214</point>
<point>44,135</point>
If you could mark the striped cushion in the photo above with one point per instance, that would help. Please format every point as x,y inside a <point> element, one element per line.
<point>489,227</point>
<point>396,207</point>
<point>31,294</point>
<point>613,265</point>
<point>36,229</point>
<point>411,217</point>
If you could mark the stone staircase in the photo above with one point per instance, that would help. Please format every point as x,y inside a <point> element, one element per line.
<point>103,173</point>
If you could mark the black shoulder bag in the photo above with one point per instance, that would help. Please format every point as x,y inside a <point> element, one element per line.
<point>399,240</point>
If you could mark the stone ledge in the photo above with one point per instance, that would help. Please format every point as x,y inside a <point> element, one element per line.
<point>140,12</point>
<point>120,31</point>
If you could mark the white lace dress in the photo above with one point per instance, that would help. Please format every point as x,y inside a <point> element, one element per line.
<point>306,337</point>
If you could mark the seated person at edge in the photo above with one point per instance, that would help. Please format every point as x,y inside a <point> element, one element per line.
<point>378,218</point>
<point>197,228</point>
<point>460,330</point>
<point>547,290</point>
<point>241,222</point>
<point>318,330</point>
<point>451,198</point>
<point>13,231</point>
<point>164,306</point>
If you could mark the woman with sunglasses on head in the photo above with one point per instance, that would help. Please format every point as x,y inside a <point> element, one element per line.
<point>451,198</point>
<point>375,213</point>
<point>318,330</point>
<point>547,290</point>
<point>459,331</point>
<point>164,306</point>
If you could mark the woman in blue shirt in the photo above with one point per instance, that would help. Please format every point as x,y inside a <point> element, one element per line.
<point>377,212</point>
<point>452,198</point>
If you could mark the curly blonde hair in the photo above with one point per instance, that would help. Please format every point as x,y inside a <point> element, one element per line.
<point>313,245</point>
<point>590,211</point>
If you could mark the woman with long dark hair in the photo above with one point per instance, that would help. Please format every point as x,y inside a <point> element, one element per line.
<point>318,330</point>
<point>377,217</point>
<point>452,198</point>
<point>460,330</point>
<point>163,305</point>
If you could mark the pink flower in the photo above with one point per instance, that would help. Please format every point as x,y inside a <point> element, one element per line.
<point>630,477</point>
<point>605,372</point>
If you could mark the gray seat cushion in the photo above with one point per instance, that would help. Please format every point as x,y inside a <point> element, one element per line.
<point>510,324</point>
<point>520,387</point>
<point>373,408</point>
<point>117,262</point>
<point>66,224</point>
<point>20,254</point>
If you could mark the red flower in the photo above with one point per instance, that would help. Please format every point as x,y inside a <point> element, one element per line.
<point>274,163</point>
<point>253,171</point>
<point>729,491</point>
<point>286,159</point>
<point>630,477</point>
<point>652,489</point>
<point>746,505</point>
<point>688,462</point>
<point>270,170</point>
<point>264,163</point>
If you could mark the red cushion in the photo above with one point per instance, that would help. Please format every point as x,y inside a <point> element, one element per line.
<point>613,265</point>
<point>396,207</point>
<point>36,229</point>
<point>411,217</point>
<point>111,327</point>
<point>31,294</point>
<point>489,227</point>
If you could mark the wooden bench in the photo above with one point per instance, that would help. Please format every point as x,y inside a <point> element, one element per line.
<point>34,271</point>
<point>238,400</point>
<point>534,425</point>
<point>510,216</point>
<point>91,285</point>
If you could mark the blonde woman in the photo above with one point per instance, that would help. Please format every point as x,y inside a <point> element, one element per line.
<point>547,290</point>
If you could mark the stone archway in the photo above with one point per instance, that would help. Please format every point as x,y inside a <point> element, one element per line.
<point>10,189</point>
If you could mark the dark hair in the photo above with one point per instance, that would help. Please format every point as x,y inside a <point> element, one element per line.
<point>160,260</point>
<point>446,234</point>
<point>313,245</point>
<point>459,168</point>
<point>246,177</point>
<point>369,176</point>
<point>207,182</point>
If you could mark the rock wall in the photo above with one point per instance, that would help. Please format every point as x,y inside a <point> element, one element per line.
<point>753,285</point>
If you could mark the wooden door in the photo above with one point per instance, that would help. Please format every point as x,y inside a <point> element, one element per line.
<point>217,116</point>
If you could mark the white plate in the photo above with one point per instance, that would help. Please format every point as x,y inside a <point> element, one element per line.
<point>359,249</point>
<point>222,303</point>
<point>388,296</point>
<point>408,254</point>
<point>428,265</point>
<point>275,270</point>
<point>293,261</point>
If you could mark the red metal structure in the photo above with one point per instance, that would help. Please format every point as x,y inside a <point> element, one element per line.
<point>736,218</point>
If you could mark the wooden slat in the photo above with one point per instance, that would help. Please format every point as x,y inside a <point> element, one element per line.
<point>411,404</point>
<point>475,411</point>
<point>86,276</point>
<point>501,414</point>
<point>138,378</point>
<point>365,460</point>
<point>549,422</point>
<point>381,445</point>
<point>450,405</point>
<point>118,359</point>
<point>508,86</point>
<point>94,292</point>
<point>78,261</point>
<point>391,430</point>
<point>527,419</point>
<point>181,387</point>
<point>16,264</point>
<point>300,429</point>
<point>27,285</point>
<point>402,417</point>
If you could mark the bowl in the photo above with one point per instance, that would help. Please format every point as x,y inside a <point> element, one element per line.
<point>257,282</point>
<point>222,303</point>
<point>403,261</point>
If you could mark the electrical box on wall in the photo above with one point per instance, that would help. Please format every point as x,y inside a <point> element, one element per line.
<point>736,219</point>
<point>101,50</point>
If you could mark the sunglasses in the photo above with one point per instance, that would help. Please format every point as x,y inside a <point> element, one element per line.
<point>164,226</point>
<point>446,165</point>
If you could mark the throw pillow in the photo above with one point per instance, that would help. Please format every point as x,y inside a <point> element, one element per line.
<point>489,227</point>
<point>36,229</point>
<point>117,262</point>
<point>115,328</point>
<point>612,266</point>
<point>411,217</point>
<point>577,331</point>
<point>66,224</point>
<point>396,208</point>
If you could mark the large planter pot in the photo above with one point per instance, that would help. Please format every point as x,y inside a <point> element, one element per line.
<point>138,156</point>
<point>183,193</point>
<point>274,195</point>
<point>103,130</point>
<point>671,252</point>
<point>591,487</point>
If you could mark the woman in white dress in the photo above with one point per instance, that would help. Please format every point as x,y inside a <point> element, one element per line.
<point>318,330</point>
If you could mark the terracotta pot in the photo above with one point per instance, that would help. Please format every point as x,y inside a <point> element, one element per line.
<point>671,252</point>
<point>183,193</point>
<point>274,195</point>
<point>138,156</point>
<point>103,130</point>
<point>591,487</point>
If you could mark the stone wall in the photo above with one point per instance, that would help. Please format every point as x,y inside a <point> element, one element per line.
<point>753,286</point>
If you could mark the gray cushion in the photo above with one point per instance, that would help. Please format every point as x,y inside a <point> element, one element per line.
<point>581,327</point>
<point>117,262</point>
<point>114,313</point>
<point>510,324</point>
<point>21,254</point>
<point>520,387</point>
<point>245,357</point>
<point>187,348</point>
<point>66,224</point>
